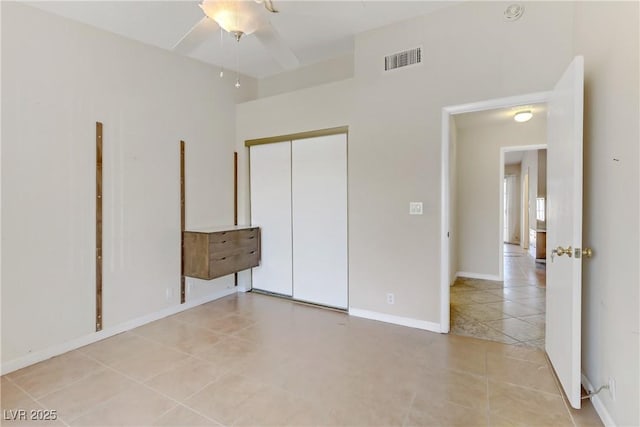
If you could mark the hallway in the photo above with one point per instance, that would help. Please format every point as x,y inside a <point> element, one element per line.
<point>510,312</point>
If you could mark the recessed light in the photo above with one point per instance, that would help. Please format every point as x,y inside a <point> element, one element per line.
<point>523,116</point>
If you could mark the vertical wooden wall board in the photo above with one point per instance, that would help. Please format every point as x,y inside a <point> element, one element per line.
<point>183,293</point>
<point>235,201</point>
<point>98,226</point>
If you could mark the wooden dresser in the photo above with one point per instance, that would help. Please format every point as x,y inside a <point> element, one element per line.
<point>219,251</point>
<point>538,244</point>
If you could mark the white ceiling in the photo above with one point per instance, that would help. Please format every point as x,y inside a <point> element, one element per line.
<point>513,157</point>
<point>497,116</point>
<point>313,30</point>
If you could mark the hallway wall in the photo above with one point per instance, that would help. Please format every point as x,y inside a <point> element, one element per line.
<point>479,191</point>
<point>517,203</point>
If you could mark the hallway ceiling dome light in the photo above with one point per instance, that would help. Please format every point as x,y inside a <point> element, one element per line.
<point>523,116</point>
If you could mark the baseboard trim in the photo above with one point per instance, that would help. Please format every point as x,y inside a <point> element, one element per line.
<point>397,320</point>
<point>58,349</point>
<point>453,280</point>
<point>598,405</point>
<point>478,276</point>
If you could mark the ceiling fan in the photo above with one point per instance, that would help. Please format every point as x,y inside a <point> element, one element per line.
<point>239,18</point>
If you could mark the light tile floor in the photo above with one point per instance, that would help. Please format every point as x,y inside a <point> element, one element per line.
<point>250,359</point>
<point>510,312</point>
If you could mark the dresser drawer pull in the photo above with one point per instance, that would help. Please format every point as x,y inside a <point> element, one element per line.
<point>252,252</point>
<point>224,241</point>
<point>252,237</point>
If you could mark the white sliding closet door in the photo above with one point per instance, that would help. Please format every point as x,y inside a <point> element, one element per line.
<point>319,197</point>
<point>271,211</point>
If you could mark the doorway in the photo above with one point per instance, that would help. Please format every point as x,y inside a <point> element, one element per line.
<point>497,291</point>
<point>564,277</point>
<point>510,310</point>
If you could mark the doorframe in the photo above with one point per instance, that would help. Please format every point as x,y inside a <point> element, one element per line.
<point>445,196</point>
<point>524,242</point>
<point>503,151</point>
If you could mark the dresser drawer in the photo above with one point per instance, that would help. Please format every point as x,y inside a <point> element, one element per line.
<point>221,266</point>
<point>234,235</point>
<point>216,254</point>
<point>232,243</point>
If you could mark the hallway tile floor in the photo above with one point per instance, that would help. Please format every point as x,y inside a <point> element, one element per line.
<point>510,312</point>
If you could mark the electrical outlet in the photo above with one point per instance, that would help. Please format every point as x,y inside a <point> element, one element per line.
<point>612,388</point>
<point>391,299</point>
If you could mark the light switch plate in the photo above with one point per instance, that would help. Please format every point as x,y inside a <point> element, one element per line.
<point>415,208</point>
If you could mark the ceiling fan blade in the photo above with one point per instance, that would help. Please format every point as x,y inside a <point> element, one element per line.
<point>268,4</point>
<point>275,45</point>
<point>196,36</point>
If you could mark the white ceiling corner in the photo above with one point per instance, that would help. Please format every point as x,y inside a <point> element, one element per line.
<point>314,30</point>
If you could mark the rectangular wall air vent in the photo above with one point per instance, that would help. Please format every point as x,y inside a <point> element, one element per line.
<point>402,59</point>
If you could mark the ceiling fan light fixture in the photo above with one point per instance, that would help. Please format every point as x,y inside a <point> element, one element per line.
<point>235,17</point>
<point>523,116</point>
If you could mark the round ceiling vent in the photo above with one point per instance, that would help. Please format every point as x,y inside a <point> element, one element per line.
<point>513,12</point>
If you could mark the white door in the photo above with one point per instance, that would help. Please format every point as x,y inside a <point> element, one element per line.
<point>270,180</point>
<point>319,197</point>
<point>564,229</point>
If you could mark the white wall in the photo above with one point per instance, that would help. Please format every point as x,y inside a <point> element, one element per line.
<point>530,164</point>
<point>453,202</point>
<point>58,78</point>
<point>479,235</point>
<point>471,54</point>
<point>607,34</point>
<point>541,190</point>
<point>515,171</point>
<point>331,70</point>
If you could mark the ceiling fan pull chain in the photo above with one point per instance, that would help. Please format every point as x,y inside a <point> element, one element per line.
<point>221,49</point>
<point>238,62</point>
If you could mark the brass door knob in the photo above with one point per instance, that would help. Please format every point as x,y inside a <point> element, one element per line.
<point>587,252</point>
<point>563,251</point>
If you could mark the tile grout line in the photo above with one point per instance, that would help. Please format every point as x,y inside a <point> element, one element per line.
<point>486,369</point>
<point>513,337</point>
<point>534,390</point>
<point>30,396</point>
<point>42,404</point>
<point>405,419</point>
<point>473,297</point>
<point>556,380</point>
<point>139,382</point>
<point>173,366</point>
